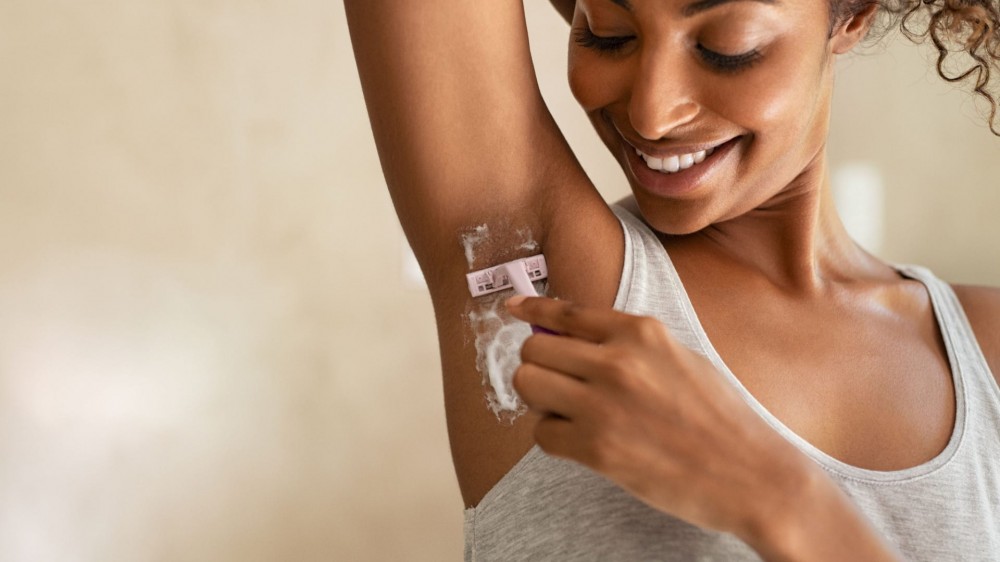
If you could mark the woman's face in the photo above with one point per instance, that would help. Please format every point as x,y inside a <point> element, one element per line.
<point>732,94</point>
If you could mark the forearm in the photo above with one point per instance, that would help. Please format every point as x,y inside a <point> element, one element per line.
<point>714,463</point>
<point>818,523</point>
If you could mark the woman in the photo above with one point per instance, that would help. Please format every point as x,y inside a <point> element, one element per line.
<point>733,377</point>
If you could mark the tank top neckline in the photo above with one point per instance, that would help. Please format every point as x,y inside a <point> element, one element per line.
<point>828,462</point>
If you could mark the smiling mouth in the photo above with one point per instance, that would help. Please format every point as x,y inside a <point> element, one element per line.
<point>673,164</point>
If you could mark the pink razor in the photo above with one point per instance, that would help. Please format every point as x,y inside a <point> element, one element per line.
<point>517,274</point>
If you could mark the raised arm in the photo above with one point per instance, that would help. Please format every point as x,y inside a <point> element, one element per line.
<point>466,140</point>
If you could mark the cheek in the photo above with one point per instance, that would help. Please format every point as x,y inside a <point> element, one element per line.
<point>786,116</point>
<point>780,99</point>
<point>595,83</point>
<point>775,109</point>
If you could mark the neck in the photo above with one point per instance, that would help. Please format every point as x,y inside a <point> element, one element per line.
<point>796,240</point>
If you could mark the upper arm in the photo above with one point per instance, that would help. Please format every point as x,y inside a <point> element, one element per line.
<point>982,306</point>
<point>452,102</point>
<point>463,134</point>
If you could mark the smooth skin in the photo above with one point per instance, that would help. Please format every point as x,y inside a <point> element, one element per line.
<point>830,339</point>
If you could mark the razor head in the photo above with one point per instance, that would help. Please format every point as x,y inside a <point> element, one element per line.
<point>498,278</point>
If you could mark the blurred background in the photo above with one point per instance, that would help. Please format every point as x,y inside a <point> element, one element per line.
<point>213,343</point>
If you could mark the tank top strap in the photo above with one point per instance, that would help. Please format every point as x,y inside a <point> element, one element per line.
<point>651,286</point>
<point>955,326</point>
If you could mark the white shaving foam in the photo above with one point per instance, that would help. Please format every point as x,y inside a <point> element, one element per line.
<point>499,338</point>
<point>528,242</point>
<point>473,238</point>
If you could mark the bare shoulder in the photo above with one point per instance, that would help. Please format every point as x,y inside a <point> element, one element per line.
<point>982,306</point>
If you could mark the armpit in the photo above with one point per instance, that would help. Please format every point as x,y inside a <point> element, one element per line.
<point>497,335</point>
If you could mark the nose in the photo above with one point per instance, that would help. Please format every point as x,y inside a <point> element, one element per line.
<point>661,98</point>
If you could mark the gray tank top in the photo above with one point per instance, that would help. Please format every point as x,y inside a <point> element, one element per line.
<point>945,509</point>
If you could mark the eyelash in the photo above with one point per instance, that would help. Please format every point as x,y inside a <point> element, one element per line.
<point>730,63</point>
<point>608,45</point>
<point>612,45</point>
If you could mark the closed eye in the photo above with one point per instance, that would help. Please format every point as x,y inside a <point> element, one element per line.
<point>729,63</point>
<point>586,38</point>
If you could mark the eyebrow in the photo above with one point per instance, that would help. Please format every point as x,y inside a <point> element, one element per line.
<point>696,7</point>
<point>702,5</point>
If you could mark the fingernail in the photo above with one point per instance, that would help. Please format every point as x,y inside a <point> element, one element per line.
<point>514,301</point>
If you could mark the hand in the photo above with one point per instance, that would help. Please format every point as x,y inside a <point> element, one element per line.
<point>618,394</point>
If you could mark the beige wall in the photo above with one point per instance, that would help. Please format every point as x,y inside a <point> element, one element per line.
<point>209,348</point>
<point>939,161</point>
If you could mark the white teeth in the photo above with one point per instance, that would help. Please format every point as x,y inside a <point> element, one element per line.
<point>672,164</point>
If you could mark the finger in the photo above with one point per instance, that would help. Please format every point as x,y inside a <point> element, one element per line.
<point>566,318</point>
<point>550,392</point>
<point>575,357</point>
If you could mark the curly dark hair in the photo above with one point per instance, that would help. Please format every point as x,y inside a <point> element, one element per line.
<point>966,34</point>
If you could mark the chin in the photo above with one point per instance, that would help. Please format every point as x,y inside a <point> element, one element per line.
<point>673,218</point>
